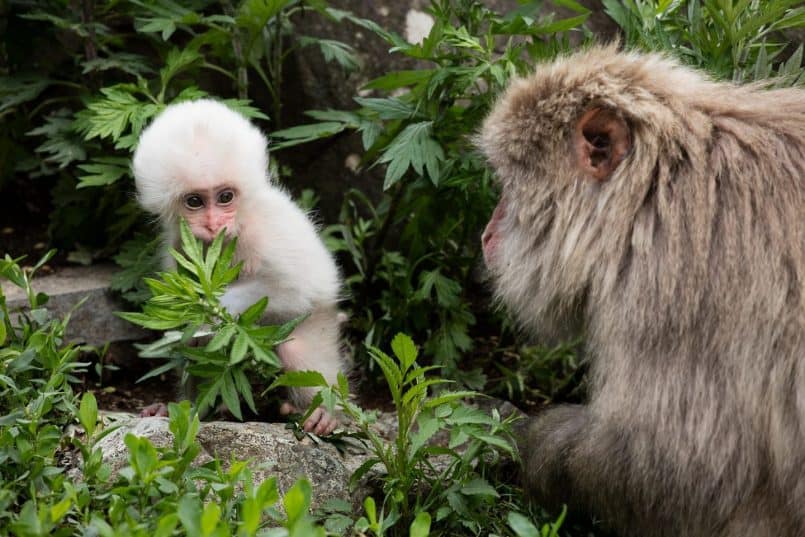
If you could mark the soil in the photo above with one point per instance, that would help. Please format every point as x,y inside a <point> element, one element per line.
<point>119,390</point>
<point>24,224</point>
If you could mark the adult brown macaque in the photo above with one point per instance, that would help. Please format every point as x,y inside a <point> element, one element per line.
<point>663,213</point>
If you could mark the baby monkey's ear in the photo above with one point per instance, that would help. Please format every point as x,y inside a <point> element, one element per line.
<point>601,140</point>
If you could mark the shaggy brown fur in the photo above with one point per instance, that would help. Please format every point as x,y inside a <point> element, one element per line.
<point>679,248</point>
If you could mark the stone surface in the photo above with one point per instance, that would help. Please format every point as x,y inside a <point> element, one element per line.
<point>94,323</point>
<point>272,449</point>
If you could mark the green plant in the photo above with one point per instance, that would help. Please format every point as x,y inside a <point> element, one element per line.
<point>737,40</point>
<point>72,110</point>
<point>410,258</point>
<point>36,399</point>
<point>538,374</point>
<point>429,486</point>
<point>186,301</point>
<point>160,492</point>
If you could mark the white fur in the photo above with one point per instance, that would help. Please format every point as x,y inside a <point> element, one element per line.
<point>204,144</point>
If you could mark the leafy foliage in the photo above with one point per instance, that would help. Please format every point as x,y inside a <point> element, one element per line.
<point>186,302</point>
<point>410,258</point>
<point>72,113</point>
<point>157,493</point>
<point>737,40</point>
<point>429,486</point>
<point>539,374</point>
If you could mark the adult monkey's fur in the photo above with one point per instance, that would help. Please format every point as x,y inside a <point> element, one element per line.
<point>684,261</point>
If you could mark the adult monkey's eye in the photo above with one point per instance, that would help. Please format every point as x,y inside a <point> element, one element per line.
<point>225,197</point>
<point>193,201</point>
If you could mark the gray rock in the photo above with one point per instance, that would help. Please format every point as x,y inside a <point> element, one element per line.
<point>273,450</point>
<point>94,323</point>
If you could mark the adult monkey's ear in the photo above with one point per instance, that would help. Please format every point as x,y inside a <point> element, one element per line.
<point>601,140</point>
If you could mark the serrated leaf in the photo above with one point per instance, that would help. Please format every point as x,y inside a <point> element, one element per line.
<point>221,338</point>
<point>244,388</point>
<point>332,50</point>
<point>111,115</point>
<point>176,363</point>
<point>412,147</point>
<point>19,89</point>
<point>399,79</point>
<point>306,133</point>
<point>449,397</point>
<point>103,171</point>
<point>420,390</point>
<point>387,107</point>
<point>245,107</point>
<point>404,349</point>
<point>229,394</point>
<point>239,348</point>
<point>158,25</point>
<point>479,487</point>
<point>298,379</point>
<point>254,312</point>
<point>146,321</point>
<point>563,25</point>
<point>178,61</point>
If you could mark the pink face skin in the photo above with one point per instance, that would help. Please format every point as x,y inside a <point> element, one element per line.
<point>210,210</point>
<point>490,240</point>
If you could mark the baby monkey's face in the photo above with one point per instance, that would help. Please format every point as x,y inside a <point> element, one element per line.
<point>210,210</point>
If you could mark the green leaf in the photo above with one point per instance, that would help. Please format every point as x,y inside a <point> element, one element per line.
<point>341,53</point>
<point>18,89</point>
<point>178,61</point>
<point>572,5</point>
<point>60,509</point>
<point>254,312</point>
<point>229,394</point>
<point>298,379</point>
<point>221,338</point>
<point>239,348</point>
<point>522,526</point>
<point>158,25</point>
<point>479,487</point>
<point>112,115</point>
<point>420,527</point>
<point>399,79</point>
<point>103,171</point>
<point>146,321</point>
<point>563,25</point>
<point>244,107</point>
<point>297,500</point>
<point>387,107</point>
<point>189,511</point>
<point>88,413</point>
<point>306,133</point>
<point>449,397</point>
<point>405,350</point>
<point>244,388</point>
<point>62,145</point>
<point>414,147</point>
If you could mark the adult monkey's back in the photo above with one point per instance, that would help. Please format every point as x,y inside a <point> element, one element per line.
<point>666,213</point>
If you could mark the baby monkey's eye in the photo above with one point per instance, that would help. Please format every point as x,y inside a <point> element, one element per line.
<point>225,197</point>
<point>193,201</point>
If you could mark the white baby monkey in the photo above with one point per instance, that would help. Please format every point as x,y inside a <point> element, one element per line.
<point>205,162</point>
